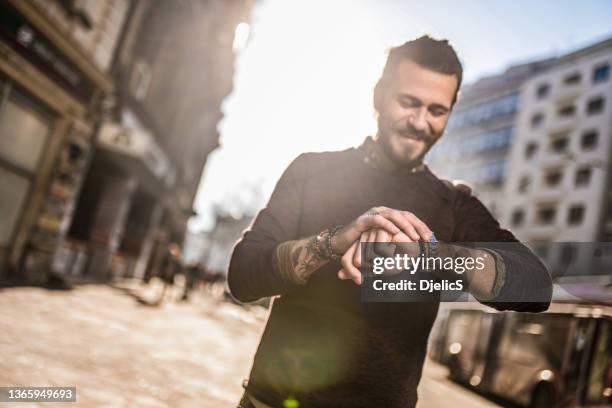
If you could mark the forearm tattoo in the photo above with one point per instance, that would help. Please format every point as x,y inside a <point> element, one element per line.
<point>297,260</point>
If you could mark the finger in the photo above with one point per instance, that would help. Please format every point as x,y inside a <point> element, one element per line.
<point>342,274</point>
<point>361,252</point>
<point>378,221</point>
<point>357,254</point>
<point>363,246</point>
<point>383,244</point>
<point>400,237</point>
<point>399,219</point>
<point>405,245</point>
<point>423,230</point>
<point>347,263</point>
<point>382,236</point>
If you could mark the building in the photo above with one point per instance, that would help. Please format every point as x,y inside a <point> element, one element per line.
<point>559,170</point>
<point>173,69</point>
<point>120,100</point>
<point>479,134</point>
<point>54,60</point>
<point>534,144</point>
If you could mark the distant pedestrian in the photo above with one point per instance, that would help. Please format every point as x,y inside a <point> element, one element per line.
<point>192,274</point>
<point>170,267</point>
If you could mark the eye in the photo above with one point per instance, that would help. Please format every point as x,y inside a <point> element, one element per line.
<point>437,112</point>
<point>408,103</point>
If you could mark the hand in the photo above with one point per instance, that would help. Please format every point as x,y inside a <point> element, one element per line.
<point>389,220</point>
<point>351,260</point>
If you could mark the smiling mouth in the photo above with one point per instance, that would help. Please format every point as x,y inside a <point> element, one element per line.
<point>411,136</point>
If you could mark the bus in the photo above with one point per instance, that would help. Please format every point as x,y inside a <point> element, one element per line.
<point>562,357</point>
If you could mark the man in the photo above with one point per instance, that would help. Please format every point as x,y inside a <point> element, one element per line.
<point>322,346</point>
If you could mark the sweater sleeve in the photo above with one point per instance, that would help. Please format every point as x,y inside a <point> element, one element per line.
<point>253,272</point>
<point>527,285</point>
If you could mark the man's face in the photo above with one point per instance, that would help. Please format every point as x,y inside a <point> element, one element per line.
<point>413,110</point>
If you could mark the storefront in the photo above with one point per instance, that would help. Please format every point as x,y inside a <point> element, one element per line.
<point>130,177</point>
<point>50,94</point>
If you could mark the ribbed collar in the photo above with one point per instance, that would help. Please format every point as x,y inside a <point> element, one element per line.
<point>374,156</point>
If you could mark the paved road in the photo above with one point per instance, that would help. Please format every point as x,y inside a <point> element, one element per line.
<point>435,390</point>
<point>121,353</point>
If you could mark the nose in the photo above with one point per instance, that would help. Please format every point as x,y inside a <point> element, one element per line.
<point>419,118</point>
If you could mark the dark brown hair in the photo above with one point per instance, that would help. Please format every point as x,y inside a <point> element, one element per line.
<point>436,55</point>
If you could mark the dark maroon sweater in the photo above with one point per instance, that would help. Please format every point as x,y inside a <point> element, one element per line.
<point>322,345</point>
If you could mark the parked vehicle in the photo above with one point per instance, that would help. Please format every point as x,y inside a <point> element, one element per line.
<point>559,358</point>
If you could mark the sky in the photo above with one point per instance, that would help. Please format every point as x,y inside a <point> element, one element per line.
<point>304,80</point>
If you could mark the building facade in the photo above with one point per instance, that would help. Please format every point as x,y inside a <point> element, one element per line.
<point>559,164</point>
<point>558,184</point>
<point>534,143</point>
<point>475,149</point>
<point>54,76</point>
<point>109,111</point>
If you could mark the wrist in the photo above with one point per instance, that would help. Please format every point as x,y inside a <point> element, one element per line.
<point>430,248</point>
<point>325,244</point>
<point>339,242</point>
<point>446,250</point>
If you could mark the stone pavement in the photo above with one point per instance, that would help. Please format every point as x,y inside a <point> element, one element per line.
<point>118,352</point>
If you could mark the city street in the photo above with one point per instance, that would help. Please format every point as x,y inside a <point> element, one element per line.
<point>118,351</point>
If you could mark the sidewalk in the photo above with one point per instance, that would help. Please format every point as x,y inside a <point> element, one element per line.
<point>121,353</point>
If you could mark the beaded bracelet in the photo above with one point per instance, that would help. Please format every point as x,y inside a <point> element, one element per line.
<point>322,244</point>
<point>316,245</point>
<point>332,255</point>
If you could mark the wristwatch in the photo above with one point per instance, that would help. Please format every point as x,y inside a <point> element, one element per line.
<point>429,248</point>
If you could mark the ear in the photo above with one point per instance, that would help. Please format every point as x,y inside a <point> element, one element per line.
<point>378,95</point>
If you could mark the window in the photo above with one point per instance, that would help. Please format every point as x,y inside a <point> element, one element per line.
<point>567,110</point>
<point>524,184</point>
<point>575,214</point>
<point>13,190</point>
<point>488,141</point>
<point>601,73</point>
<point>568,253</point>
<point>583,176</point>
<point>24,130</point>
<point>485,111</point>
<point>518,217</point>
<point>530,149</point>
<point>553,177</point>
<point>25,126</point>
<point>491,173</point>
<point>559,143</point>
<point>589,140</point>
<point>541,247</point>
<point>543,91</point>
<point>537,120</point>
<point>572,79</point>
<point>597,390</point>
<point>546,214</point>
<point>595,106</point>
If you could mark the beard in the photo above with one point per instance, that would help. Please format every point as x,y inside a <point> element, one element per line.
<point>405,145</point>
